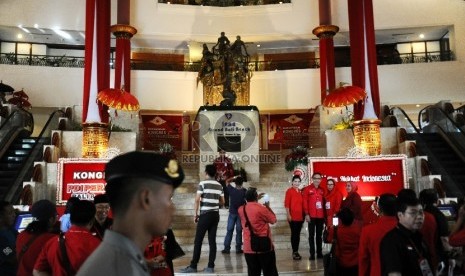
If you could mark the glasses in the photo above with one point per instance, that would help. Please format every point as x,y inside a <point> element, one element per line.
<point>329,184</point>
<point>316,178</point>
<point>415,213</point>
<point>103,207</point>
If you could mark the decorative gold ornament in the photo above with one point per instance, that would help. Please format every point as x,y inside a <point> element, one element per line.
<point>94,140</point>
<point>367,136</point>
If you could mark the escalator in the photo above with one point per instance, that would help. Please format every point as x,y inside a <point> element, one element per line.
<point>19,151</point>
<point>443,141</point>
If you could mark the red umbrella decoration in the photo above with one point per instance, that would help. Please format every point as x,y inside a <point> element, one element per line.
<point>118,99</point>
<point>20,99</point>
<point>344,95</point>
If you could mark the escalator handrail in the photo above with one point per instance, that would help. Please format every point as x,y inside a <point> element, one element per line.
<point>13,193</point>
<point>19,110</point>
<point>443,113</point>
<point>41,134</point>
<point>406,116</point>
<point>419,115</point>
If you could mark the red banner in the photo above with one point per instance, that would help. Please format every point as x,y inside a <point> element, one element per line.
<point>159,129</point>
<point>289,130</point>
<point>83,178</point>
<point>374,175</point>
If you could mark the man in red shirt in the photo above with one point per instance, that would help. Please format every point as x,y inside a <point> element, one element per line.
<point>224,170</point>
<point>370,239</point>
<point>78,243</point>
<point>313,196</point>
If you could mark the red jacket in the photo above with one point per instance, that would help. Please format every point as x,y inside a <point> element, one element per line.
<point>457,239</point>
<point>154,249</point>
<point>26,265</point>
<point>348,238</point>
<point>429,232</point>
<point>294,202</point>
<point>260,217</point>
<point>333,202</point>
<point>224,168</point>
<point>79,244</point>
<point>370,239</point>
<point>313,201</point>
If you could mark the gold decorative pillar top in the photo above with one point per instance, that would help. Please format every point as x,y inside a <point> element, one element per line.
<point>325,31</point>
<point>123,31</point>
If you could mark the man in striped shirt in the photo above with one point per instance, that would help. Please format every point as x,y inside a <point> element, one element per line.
<point>208,199</point>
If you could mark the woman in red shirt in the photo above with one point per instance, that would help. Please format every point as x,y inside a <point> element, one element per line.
<point>333,200</point>
<point>295,215</point>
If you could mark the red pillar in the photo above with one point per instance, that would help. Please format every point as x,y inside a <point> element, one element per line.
<point>325,32</point>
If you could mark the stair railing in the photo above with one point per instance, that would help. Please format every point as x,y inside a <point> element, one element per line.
<point>42,139</point>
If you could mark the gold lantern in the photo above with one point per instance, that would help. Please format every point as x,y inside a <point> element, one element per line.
<point>367,136</point>
<point>94,140</point>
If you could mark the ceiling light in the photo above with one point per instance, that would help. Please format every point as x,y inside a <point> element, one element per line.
<point>258,45</point>
<point>19,36</point>
<point>421,36</point>
<point>24,29</point>
<point>63,34</point>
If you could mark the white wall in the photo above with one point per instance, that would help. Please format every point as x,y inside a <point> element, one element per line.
<point>291,89</point>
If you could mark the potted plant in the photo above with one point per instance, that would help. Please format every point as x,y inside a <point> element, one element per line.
<point>298,156</point>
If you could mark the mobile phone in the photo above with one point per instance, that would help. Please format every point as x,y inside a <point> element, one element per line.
<point>335,221</point>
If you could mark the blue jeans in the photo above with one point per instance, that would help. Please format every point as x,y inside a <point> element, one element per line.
<point>233,219</point>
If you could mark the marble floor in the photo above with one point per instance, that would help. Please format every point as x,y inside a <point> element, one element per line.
<point>234,264</point>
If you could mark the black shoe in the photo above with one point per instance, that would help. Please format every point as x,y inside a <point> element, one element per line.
<point>240,251</point>
<point>224,251</point>
<point>296,256</point>
<point>312,257</point>
<point>319,256</point>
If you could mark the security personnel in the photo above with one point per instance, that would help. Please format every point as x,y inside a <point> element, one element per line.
<point>140,186</point>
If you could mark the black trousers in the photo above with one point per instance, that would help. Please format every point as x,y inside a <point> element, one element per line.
<point>266,262</point>
<point>207,222</point>
<point>296,227</point>
<point>315,234</point>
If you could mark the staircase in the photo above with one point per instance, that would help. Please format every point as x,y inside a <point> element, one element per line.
<point>12,162</point>
<point>443,160</point>
<point>274,180</point>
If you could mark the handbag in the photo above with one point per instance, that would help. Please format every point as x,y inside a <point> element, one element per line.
<point>173,249</point>
<point>329,259</point>
<point>259,244</point>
